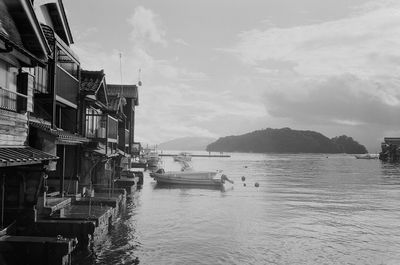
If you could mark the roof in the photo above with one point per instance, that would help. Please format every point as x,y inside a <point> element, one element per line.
<point>63,137</point>
<point>127,91</point>
<point>91,80</point>
<point>23,155</point>
<point>55,16</point>
<point>93,83</point>
<point>20,28</point>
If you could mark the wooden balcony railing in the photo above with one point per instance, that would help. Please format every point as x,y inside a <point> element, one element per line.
<point>135,150</point>
<point>126,137</point>
<point>14,101</point>
<point>102,127</point>
<point>67,86</point>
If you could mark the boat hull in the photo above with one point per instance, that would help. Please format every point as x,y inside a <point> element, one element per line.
<point>193,178</point>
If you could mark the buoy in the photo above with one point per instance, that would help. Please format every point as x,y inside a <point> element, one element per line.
<point>243,178</point>
<point>244,184</point>
<point>256,185</point>
<point>245,166</point>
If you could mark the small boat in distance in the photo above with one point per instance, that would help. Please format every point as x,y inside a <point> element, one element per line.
<point>153,159</point>
<point>367,156</point>
<point>183,156</point>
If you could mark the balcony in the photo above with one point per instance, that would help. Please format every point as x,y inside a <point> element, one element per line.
<point>102,128</point>
<point>135,151</point>
<point>123,139</point>
<point>14,101</point>
<point>67,88</point>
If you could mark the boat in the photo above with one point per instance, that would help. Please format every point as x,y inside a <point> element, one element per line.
<point>152,159</point>
<point>367,156</point>
<point>184,156</point>
<point>195,178</point>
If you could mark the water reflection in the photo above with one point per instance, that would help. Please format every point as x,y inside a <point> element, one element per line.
<point>309,209</point>
<point>188,187</point>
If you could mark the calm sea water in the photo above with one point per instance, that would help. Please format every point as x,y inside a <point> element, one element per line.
<point>308,209</point>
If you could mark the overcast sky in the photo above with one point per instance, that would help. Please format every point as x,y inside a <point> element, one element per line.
<point>226,67</point>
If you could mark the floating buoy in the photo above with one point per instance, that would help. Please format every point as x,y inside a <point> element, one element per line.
<point>243,178</point>
<point>245,166</point>
<point>256,185</point>
<point>244,184</point>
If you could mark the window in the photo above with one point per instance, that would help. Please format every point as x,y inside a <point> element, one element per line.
<point>65,61</point>
<point>8,84</point>
<point>41,80</point>
<point>92,121</point>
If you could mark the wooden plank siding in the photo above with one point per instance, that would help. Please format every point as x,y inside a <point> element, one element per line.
<point>13,128</point>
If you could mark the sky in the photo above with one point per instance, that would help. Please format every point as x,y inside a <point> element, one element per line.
<point>227,67</point>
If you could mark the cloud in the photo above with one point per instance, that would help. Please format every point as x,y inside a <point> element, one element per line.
<point>365,44</point>
<point>337,77</point>
<point>181,42</point>
<point>146,26</point>
<point>345,100</point>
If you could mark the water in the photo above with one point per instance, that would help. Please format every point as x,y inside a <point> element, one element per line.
<point>308,209</point>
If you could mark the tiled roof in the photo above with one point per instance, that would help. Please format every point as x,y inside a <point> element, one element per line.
<point>8,28</point>
<point>22,155</point>
<point>61,135</point>
<point>91,80</point>
<point>126,91</point>
<point>49,35</point>
<point>20,29</point>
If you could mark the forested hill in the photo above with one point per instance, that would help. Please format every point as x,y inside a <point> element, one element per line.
<point>286,140</point>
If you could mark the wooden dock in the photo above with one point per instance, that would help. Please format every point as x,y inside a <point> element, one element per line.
<point>194,155</point>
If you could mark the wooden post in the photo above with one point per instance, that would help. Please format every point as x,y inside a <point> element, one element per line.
<point>2,199</point>
<point>62,173</point>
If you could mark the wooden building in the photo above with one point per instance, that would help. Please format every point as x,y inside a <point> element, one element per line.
<point>131,96</point>
<point>55,123</point>
<point>23,168</point>
<point>22,48</point>
<point>101,128</point>
<point>390,149</point>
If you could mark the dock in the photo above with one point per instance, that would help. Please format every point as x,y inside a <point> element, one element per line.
<point>198,155</point>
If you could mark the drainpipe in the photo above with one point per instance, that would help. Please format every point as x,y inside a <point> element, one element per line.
<point>62,173</point>
<point>53,79</point>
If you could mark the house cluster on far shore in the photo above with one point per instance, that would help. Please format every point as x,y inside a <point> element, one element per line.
<point>66,139</point>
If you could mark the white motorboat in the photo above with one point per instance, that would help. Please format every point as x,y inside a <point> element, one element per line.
<point>184,156</point>
<point>190,177</point>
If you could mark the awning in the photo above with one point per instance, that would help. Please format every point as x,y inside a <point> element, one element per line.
<point>62,137</point>
<point>23,155</point>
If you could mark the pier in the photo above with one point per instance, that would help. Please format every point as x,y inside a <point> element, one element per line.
<point>197,155</point>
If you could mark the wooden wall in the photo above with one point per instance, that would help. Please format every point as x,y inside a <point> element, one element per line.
<point>13,128</point>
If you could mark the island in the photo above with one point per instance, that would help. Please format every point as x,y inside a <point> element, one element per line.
<point>286,140</point>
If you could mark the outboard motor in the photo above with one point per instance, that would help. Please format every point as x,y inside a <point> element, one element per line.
<point>160,171</point>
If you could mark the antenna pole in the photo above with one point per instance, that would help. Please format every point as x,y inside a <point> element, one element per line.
<point>120,70</point>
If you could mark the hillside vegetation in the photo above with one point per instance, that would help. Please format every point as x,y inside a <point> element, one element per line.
<point>286,140</point>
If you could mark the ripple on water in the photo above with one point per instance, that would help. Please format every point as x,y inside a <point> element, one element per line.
<point>309,209</point>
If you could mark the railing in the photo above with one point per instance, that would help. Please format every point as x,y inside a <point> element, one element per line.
<point>67,86</point>
<point>135,149</point>
<point>102,127</point>
<point>123,138</point>
<point>14,101</point>
<point>126,137</point>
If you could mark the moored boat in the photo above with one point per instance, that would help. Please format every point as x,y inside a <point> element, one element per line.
<point>152,159</point>
<point>196,178</point>
<point>184,156</point>
<point>367,156</point>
